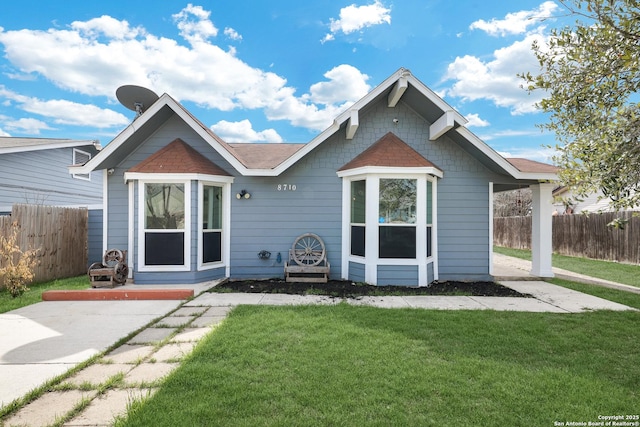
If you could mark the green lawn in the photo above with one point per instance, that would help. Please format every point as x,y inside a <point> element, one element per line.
<point>355,366</point>
<point>34,294</point>
<point>628,274</point>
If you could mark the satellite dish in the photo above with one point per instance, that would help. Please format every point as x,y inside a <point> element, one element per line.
<point>136,98</point>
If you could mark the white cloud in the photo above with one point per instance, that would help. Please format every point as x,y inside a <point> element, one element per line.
<point>243,131</point>
<point>542,154</point>
<point>497,79</point>
<point>474,120</point>
<point>232,34</point>
<point>3,133</point>
<point>354,18</point>
<point>194,24</point>
<point>107,26</point>
<point>66,112</point>
<point>509,133</point>
<point>517,22</point>
<point>96,57</point>
<point>27,125</point>
<point>345,84</point>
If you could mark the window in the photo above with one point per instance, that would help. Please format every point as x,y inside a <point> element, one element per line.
<point>164,224</point>
<point>211,224</point>
<point>80,158</point>
<point>358,217</point>
<point>397,218</point>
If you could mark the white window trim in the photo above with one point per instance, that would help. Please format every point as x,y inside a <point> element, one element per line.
<point>371,259</point>
<point>142,230</point>
<point>226,226</point>
<point>82,176</point>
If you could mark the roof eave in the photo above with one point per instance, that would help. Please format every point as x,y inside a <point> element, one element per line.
<point>381,170</point>
<point>502,162</point>
<point>52,146</point>
<point>100,160</point>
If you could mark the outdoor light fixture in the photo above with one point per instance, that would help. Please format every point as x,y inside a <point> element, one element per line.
<point>243,195</point>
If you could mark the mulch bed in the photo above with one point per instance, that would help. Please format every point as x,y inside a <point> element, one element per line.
<point>347,289</point>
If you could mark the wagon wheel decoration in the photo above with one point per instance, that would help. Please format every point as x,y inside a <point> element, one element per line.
<point>113,257</point>
<point>94,266</point>
<point>308,250</point>
<point>120,272</point>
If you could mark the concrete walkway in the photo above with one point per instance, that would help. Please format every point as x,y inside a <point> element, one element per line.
<point>510,268</point>
<point>47,339</point>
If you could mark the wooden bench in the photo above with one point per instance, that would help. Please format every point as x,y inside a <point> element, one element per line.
<point>307,260</point>
<point>113,270</point>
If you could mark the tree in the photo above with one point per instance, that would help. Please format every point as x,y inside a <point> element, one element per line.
<point>512,203</point>
<point>591,76</point>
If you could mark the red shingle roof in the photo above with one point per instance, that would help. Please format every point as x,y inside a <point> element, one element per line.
<point>263,156</point>
<point>178,157</point>
<point>525,165</point>
<point>389,151</point>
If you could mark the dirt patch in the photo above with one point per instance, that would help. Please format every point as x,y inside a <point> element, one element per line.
<point>348,289</point>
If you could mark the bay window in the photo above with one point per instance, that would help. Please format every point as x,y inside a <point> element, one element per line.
<point>389,221</point>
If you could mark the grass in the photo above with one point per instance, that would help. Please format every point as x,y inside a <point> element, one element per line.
<point>34,294</point>
<point>352,366</point>
<point>628,274</point>
<point>627,298</point>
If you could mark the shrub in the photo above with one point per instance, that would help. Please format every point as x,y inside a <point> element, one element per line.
<point>16,265</point>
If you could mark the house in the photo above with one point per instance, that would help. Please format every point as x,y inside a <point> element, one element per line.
<point>34,171</point>
<point>565,202</point>
<point>399,190</point>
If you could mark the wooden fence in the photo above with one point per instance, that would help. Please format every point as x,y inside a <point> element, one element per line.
<point>578,235</point>
<point>60,234</point>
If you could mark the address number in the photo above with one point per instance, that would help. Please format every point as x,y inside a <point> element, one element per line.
<point>287,187</point>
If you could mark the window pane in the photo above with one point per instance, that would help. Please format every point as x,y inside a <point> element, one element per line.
<point>212,208</point>
<point>358,201</point>
<point>398,201</point>
<point>357,240</point>
<point>211,246</point>
<point>164,248</point>
<point>429,241</point>
<point>397,242</point>
<point>164,206</point>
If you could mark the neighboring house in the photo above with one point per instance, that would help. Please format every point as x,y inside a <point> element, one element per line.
<point>35,171</point>
<point>565,202</point>
<point>398,189</point>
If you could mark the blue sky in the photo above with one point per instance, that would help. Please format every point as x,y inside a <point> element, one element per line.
<point>276,71</point>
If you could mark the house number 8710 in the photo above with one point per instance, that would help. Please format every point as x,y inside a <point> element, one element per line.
<point>286,187</point>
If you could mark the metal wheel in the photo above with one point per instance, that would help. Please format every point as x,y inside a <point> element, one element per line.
<point>93,266</point>
<point>308,250</point>
<point>120,272</point>
<point>113,257</point>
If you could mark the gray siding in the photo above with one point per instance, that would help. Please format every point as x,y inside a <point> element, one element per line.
<point>356,272</point>
<point>41,177</point>
<point>401,275</point>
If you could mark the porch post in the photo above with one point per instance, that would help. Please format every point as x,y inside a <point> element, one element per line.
<point>541,237</point>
